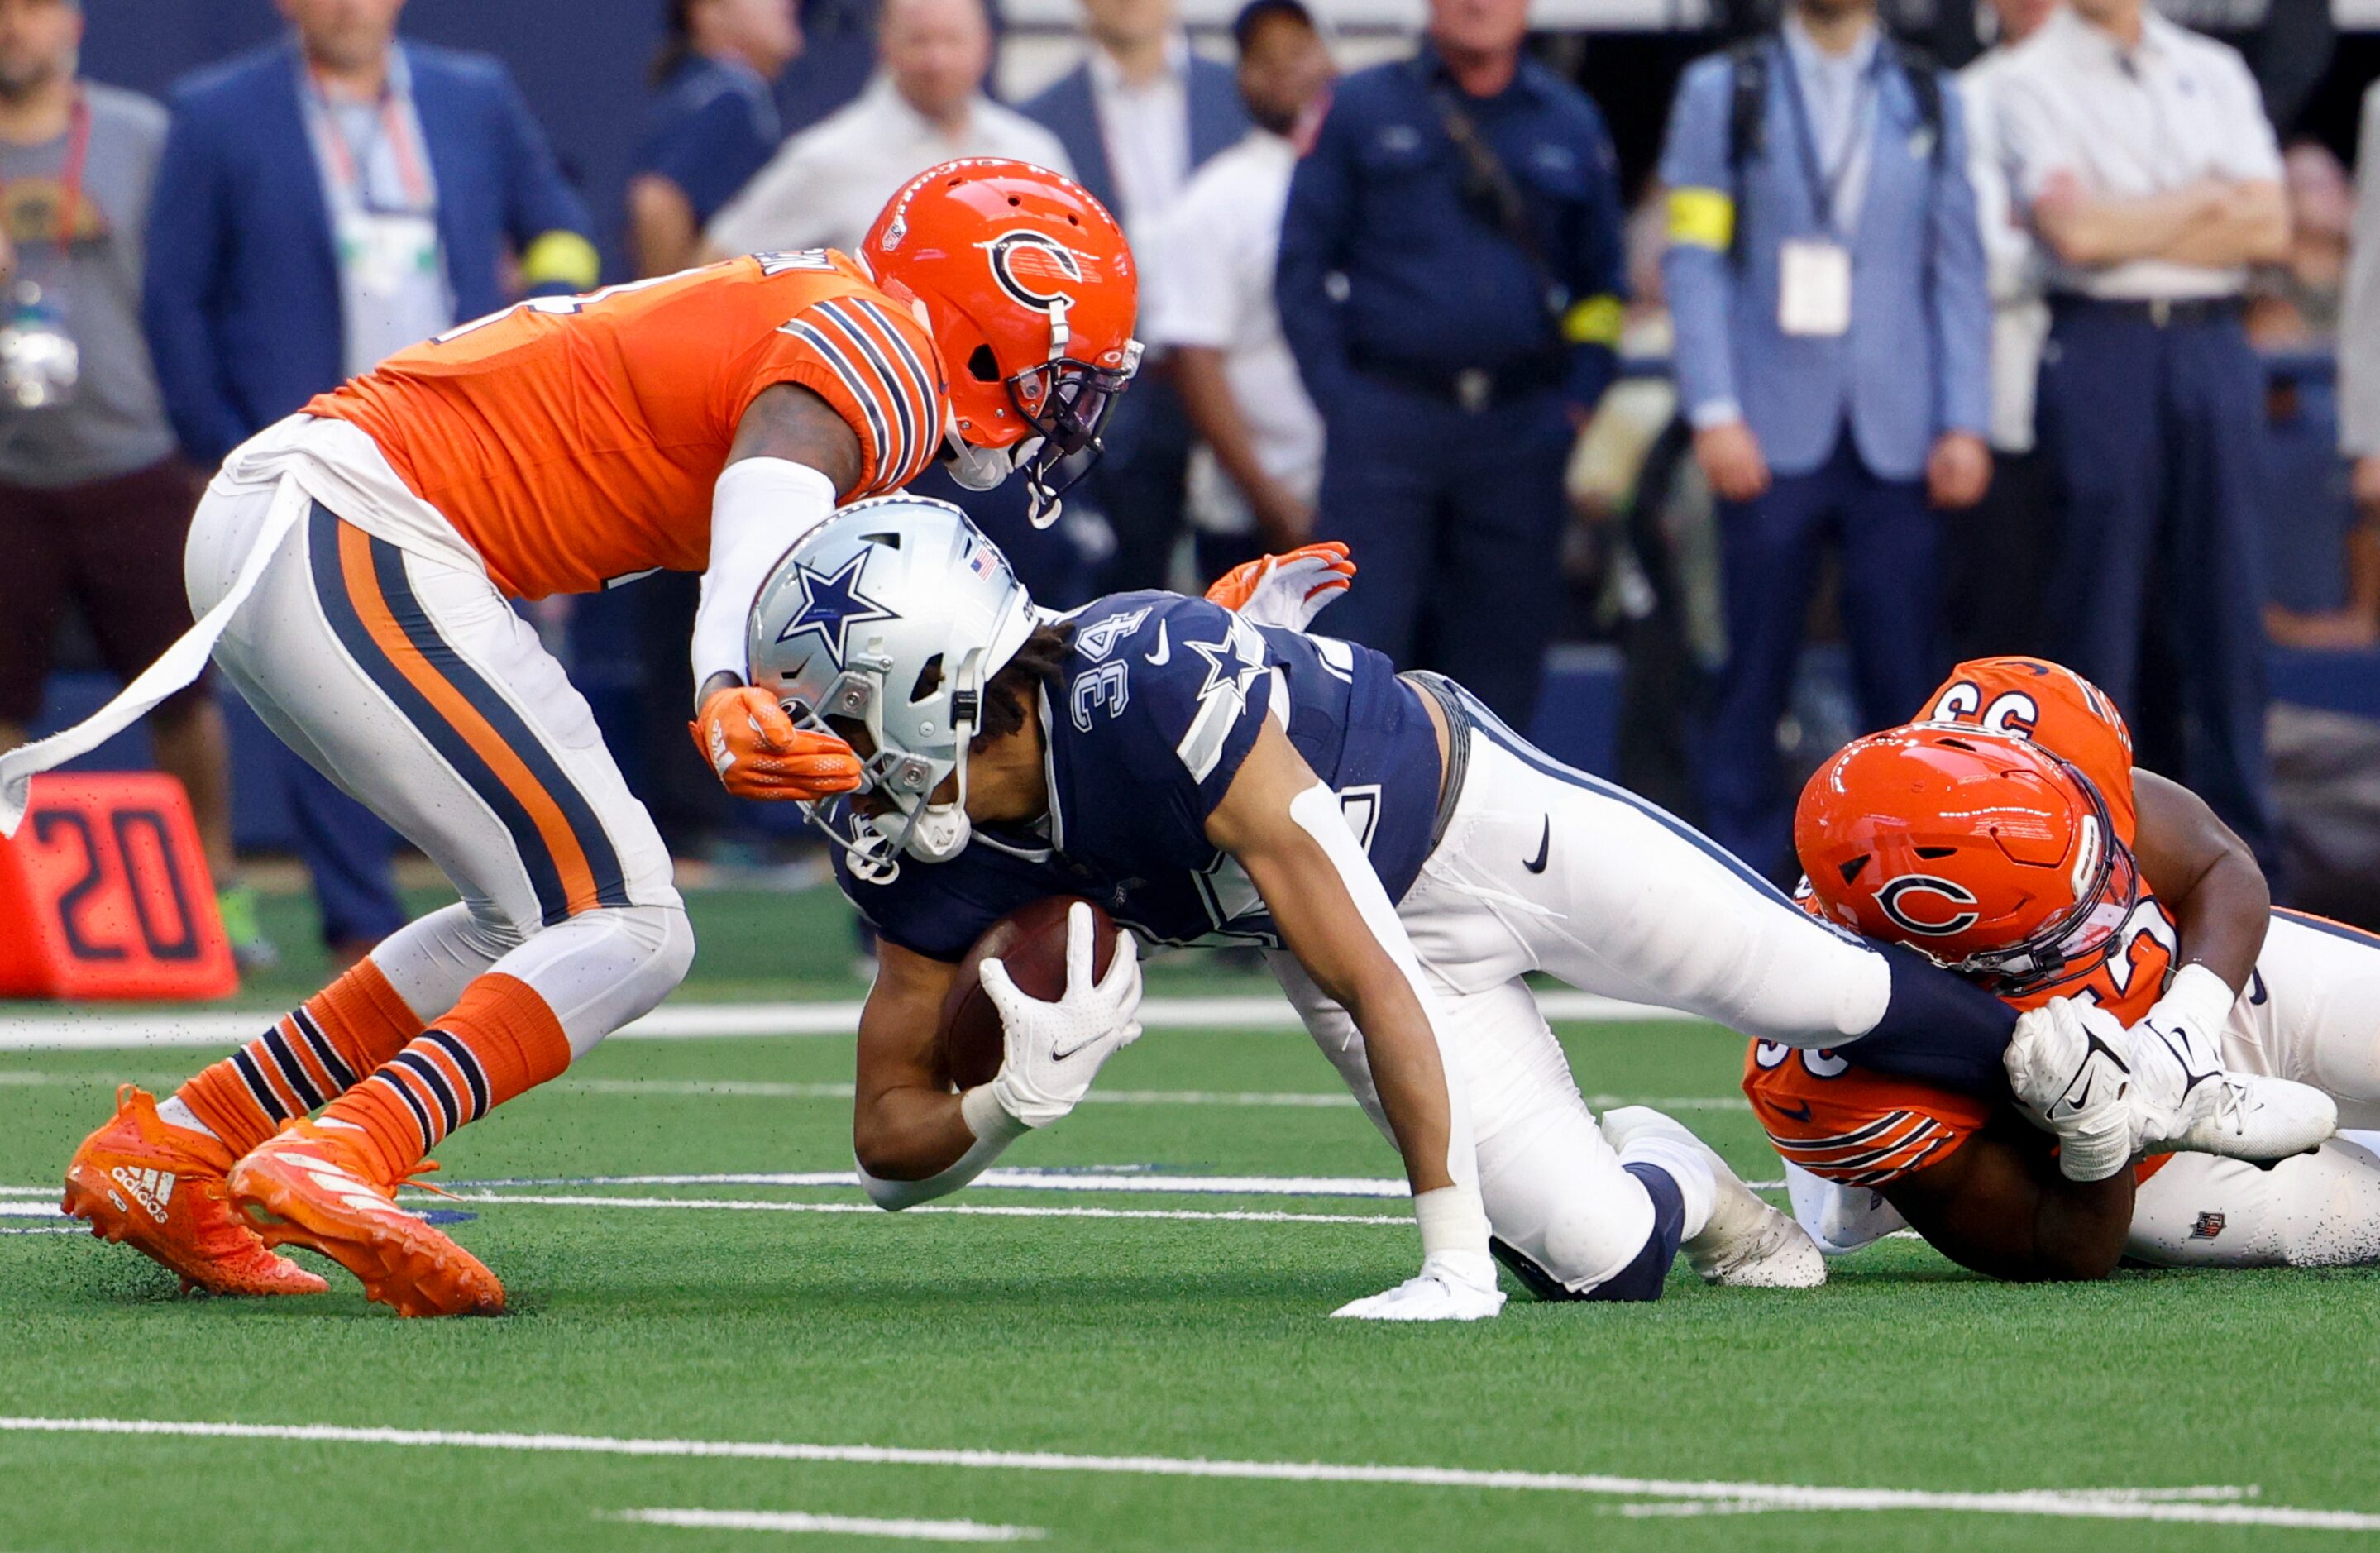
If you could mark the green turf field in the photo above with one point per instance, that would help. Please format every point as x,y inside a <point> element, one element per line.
<point>1060,1366</point>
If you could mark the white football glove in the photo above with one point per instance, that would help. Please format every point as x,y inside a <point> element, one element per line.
<point>1053,1051</point>
<point>2065,1064</point>
<point>1286,590</point>
<point>1448,1288</point>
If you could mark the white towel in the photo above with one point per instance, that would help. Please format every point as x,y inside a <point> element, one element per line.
<point>176,667</point>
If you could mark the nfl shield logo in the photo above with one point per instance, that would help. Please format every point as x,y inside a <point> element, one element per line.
<point>2209,1225</point>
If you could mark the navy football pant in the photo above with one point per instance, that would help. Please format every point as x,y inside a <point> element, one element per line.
<point>1455,520</point>
<point>2156,576</point>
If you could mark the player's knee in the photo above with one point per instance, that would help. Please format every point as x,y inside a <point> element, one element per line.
<point>663,941</point>
<point>1591,1248</point>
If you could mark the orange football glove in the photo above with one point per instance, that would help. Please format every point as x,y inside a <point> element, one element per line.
<point>759,753</point>
<point>1287,590</point>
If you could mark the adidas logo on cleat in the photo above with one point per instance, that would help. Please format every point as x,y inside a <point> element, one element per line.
<point>152,1189</point>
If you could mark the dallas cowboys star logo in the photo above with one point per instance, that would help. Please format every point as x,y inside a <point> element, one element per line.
<point>831,605</point>
<point>1233,665</point>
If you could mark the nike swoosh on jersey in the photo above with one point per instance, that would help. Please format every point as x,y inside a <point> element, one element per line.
<point>1799,1113</point>
<point>1163,653</point>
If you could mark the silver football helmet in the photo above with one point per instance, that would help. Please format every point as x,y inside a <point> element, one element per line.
<point>894,615</point>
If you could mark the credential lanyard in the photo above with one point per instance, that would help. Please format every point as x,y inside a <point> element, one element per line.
<point>1827,183</point>
<point>348,160</point>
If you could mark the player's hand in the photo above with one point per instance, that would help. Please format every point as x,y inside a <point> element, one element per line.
<point>1732,460</point>
<point>2066,1067</point>
<point>759,753</point>
<point>1443,1291</point>
<point>1286,590</point>
<point>1958,471</point>
<point>1051,1051</point>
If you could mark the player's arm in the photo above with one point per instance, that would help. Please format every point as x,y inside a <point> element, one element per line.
<point>1997,1205</point>
<point>1284,828</point>
<point>2206,877</point>
<point>791,456</point>
<point>909,1132</point>
<point>2209,879</point>
<point>914,1139</point>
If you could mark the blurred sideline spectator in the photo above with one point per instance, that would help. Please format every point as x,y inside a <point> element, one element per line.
<point>1209,303</point>
<point>1834,335</point>
<point>837,61</point>
<point>825,188</point>
<point>1137,117</point>
<point>2150,172</point>
<point>321,202</point>
<point>2359,387</point>
<point>95,501</point>
<point>2293,305</point>
<point>713,126</point>
<point>1993,601</point>
<point>1648,537</point>
<point>1449,279</point>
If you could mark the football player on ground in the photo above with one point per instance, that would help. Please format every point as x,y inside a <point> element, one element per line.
<point>353,565</point>
<point>1408,859</point>
<point>2012,839</point>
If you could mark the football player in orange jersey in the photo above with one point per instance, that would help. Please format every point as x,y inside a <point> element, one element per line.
<point>2004,860</point>
<point>353,567</point>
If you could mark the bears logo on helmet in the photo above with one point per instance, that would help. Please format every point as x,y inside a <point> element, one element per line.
<point>1889,900</point>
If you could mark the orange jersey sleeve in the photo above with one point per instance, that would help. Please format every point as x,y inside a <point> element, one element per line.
<point>2054,707</point>
<point>574,441</point>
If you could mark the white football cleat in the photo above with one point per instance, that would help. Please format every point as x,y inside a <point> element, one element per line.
<point>1745,1243</point>
<point>1438,1292</point>
<point>2066,1066</point>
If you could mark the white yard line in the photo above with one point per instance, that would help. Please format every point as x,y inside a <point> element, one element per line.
<point>84,1029</point>
<point>776,1089</point>
<point>841,1525</point>
<point>2212,1505</point>
<point>979,1211</point>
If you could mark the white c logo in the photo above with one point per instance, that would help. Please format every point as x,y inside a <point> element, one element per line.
<point>1894,899</point>
<point>1027,263</point>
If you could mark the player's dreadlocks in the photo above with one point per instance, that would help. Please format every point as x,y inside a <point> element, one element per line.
<point>1039,665</point>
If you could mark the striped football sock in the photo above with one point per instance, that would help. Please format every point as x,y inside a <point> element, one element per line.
<point>500,1041</point>
<point>311,1057</point>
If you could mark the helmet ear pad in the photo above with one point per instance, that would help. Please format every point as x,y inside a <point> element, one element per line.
<point>981,412</point>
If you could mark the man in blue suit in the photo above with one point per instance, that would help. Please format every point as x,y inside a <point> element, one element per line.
<point>319,204</point>
<point>1137,117</point>
<point>1833,342</point>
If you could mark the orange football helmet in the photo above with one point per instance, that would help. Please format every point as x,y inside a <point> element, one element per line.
<point>1982,850</point>
<point>1030,291</point>
<point>2053,705</point>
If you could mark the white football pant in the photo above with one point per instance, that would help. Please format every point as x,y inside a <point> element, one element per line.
<point>414,687</point>
<point>1545,868</point>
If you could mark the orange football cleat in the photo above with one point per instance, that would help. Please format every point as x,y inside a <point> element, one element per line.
<point>159,1189</point>
<point>316,1185</point>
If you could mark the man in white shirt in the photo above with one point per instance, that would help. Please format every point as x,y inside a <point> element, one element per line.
<point>2141,153</point>
<point>926,105</point>
<point>1138,116</point>
<point>1209,298</point>
<point>1991,606</point>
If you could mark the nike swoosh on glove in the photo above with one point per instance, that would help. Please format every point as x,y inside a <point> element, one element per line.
<point>1053,1051</point>
<point>1287,590</point>
<point>759,753</point>
<point>1442,1290</point>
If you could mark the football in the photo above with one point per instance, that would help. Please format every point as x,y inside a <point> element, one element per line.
<point>1031,942</point>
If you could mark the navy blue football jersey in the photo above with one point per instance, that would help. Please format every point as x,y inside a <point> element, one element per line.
<point>1161,700</point>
